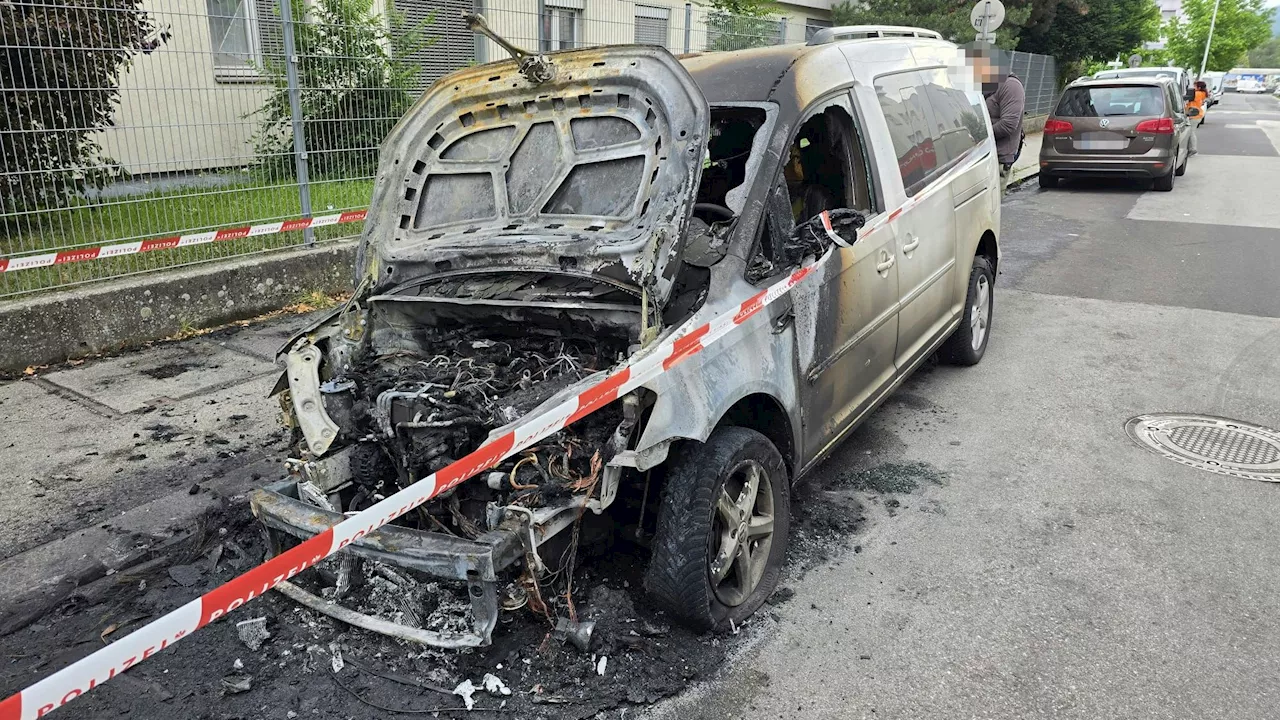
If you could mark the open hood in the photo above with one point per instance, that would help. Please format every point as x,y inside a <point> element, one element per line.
<point>591,173</point>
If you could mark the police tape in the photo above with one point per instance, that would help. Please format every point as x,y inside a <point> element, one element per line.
<point>89,672</point>
<point>62,257</point>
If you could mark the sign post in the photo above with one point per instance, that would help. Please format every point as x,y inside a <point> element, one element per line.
<point>986,16</point>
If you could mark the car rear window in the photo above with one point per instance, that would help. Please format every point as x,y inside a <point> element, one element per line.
<point>1111,101</point>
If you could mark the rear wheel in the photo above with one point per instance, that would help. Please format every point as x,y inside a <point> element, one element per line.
<point>722,530</point>
<point>1164,183</point>
<point>1048,181</point>
<point>968,343</point>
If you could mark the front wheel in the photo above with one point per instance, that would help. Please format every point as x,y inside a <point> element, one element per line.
<point>1182,169</point>
<point>722,530</point>
<point>968,343</point>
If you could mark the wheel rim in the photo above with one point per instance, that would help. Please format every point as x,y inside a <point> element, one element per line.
<point>980,313</point>
<point>742,533</point>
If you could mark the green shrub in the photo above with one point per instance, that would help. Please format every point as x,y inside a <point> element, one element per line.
<point>59,78</point>
<point>355,83</point>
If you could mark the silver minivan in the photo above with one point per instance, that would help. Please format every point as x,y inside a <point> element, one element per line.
<point>535,223</point>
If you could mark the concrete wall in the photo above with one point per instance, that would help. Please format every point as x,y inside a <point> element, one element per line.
<point>127,313</point>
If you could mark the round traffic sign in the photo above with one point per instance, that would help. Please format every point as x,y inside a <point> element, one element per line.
<point>992,11</point>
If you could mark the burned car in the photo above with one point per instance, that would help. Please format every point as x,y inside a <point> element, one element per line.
<point>538,221</point>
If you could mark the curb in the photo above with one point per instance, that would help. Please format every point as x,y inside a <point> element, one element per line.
<point>126,313</point>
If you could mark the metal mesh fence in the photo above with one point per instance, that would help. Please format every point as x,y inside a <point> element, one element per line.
<point>1039,74</point>
<point>149,134</point>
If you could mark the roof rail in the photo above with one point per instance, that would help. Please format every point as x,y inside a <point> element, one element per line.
<point>863,32</point>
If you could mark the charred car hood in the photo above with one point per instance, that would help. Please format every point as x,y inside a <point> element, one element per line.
<point>594,172</point>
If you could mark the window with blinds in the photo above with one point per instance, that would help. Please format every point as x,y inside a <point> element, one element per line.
<point>452,45</point>
<point>653,25</point>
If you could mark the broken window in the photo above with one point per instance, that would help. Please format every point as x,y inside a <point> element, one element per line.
<point>734,149</point>
<point>826,169</point>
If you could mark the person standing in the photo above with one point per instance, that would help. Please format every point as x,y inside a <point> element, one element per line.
<point>1006,99</point>
<point>1200,100</point>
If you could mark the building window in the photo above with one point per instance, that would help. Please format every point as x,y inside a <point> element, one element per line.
<point>652,25</point>
<point>813,25</point>
<point>233,37</point>
<point>561,27</point>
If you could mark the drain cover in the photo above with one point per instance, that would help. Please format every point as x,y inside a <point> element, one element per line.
<point>1219,445</point>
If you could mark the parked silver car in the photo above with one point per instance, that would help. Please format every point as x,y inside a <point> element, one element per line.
<point>534,223</point>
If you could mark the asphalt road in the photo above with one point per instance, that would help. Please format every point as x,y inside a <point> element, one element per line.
<point>1059,570</point>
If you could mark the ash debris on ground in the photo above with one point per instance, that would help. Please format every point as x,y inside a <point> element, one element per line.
<point>893,478</point>
<point>216,674</point>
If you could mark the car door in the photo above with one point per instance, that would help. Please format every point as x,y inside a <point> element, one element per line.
<point>846,319</point>
<point>924,232</point>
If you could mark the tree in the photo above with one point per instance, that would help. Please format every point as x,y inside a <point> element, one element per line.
<point>1266,55</point>
<point>1100,30</point>
<point>949,17</point>
<point>1242,25</point>
<point>355,82</point>
<point>740,24</point>
<point>59,77</point>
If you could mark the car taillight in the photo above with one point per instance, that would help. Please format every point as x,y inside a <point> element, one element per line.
<point>1057,127</point>
<point>1163,126</point>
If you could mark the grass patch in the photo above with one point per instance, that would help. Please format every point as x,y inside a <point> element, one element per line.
<point>166,213</point>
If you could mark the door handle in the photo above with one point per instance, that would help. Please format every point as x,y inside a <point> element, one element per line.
<point>886,262</point>
<point>906,249</point>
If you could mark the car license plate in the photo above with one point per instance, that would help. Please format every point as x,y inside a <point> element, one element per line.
<point>1101,141</point>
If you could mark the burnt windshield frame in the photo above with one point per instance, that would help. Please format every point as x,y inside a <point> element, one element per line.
<point>761,144</point>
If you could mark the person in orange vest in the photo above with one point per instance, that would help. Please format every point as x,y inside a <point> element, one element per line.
<point>1199,99</point>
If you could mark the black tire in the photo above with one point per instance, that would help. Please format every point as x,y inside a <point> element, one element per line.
<point>1047,181</point>
<point>679,577</point>
<point>959,348</point>
<point>1182,169</point>
<point>1164,183</point>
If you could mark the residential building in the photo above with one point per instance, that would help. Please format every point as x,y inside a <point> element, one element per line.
<point>189,105</point>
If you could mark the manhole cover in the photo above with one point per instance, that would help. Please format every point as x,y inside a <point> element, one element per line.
<point>1219,445</point>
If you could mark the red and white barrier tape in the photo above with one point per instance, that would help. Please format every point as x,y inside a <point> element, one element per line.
<point>28,262</point>
<point>89,672</point>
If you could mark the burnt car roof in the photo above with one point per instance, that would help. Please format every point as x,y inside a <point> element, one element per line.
<point>743,75</point>
<point>795,75</point>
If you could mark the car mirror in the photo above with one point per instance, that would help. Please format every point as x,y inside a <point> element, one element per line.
<point>840,226</point>
<point>1194,112</point>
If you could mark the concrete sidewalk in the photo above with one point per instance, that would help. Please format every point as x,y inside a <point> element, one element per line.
<point>1028,164</point>
<point>110,458</point>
